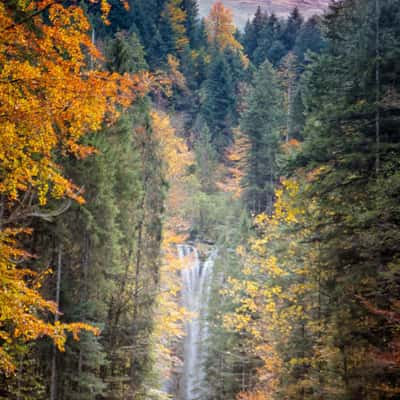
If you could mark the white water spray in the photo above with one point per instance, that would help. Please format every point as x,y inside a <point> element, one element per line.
<point>195,293</point>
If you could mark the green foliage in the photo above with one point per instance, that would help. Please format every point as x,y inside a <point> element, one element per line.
<point>262,122</point>
<point>217,105</point>
<point>27,383</point>
<point>267,37</point>
<point>323,269</point>
<point>126,54</point>
<point>319,316</point>
<point>191,9</point>
<point>206,161</point>
<point>230,366</point>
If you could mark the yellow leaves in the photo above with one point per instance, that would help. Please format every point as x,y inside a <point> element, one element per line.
<point>42,193</point>
<point>170,315</point>
<point>285,209</point>
<point>6,363</point>
<point>236,157</point>
<point>20,303</point>
<point>105,8</point>
<point>256,395</point>
<point>177,16</point>
<point>251,288</point>
<point>174,149</point>
<point>275,295</point>
<point>176,77</point>
<point>177,158</point>
<point>220,27</point>
<point>48,99</point>
<point>235,321</point>
<point>271,266</point>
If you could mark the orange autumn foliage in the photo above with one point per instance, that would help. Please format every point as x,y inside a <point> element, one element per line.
<point>236,165</point>
<point>177,158</point>
<point>220,27</point>
<point>19,303</point>
<point>169,313</point>
<point>253,396</point>
<point>271,294</point>
<point>176,16</point>
<point>49,100</point>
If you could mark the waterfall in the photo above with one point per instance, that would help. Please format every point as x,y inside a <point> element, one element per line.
<point>195,293</point>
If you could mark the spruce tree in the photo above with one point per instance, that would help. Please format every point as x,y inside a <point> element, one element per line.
<point>292,28</point>
<point>262,122</point>
<point>218,101</point>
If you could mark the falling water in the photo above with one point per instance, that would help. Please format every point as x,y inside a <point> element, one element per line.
<point>195,292</point>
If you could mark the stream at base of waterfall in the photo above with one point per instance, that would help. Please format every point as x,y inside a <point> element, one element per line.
<point>196,279</point>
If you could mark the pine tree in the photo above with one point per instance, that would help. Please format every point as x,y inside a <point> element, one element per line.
<point>253,32</point>
<point>349,130</point>
<point>207,159</point>
<point>191,9</point>
<point>126,54</point>
<point>262,122</point>
<point>292,28</point>
<point>218,100</point>
<point>269,44</point>
<point>173,27</point>
<point>309,38</point>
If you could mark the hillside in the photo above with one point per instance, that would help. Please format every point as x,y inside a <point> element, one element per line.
<point>244,9</point>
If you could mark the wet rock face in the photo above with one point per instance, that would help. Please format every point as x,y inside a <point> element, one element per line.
<point>245,9</point>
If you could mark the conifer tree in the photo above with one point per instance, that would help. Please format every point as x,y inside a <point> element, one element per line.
<point>207,159</point>
<point>218,102</point>
<point>292,28</point>
<point>262,122</point>
<point>191,9</point>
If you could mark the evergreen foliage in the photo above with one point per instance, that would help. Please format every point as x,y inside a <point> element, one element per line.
<point>292,174</point>
<point>262,122</point>
<point>218,101</point>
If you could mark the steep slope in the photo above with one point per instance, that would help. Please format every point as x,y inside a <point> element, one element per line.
<point>245,9</point>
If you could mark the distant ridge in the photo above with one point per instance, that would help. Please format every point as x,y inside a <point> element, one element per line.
<point>245,9</point>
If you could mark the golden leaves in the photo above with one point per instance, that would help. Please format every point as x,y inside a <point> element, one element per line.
<point>236,159</point>
<point>274,294</point>
<point>169,316</point>
<point>49,99</point>
<point>177,17</point>
<point>220,27</point>
<point>20,303</point>
<point>174,150</point>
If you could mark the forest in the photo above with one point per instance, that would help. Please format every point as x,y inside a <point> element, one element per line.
<point>190,211</point>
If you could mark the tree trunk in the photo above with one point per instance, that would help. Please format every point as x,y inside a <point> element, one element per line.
<point>289,109</point>
<point>377,85</point>
<point>53,381</point>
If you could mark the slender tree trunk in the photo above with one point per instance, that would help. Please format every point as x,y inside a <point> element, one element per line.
<point>377,85</point>
<point>137,277</point>
<point>53,381</point>
<point>19,383</point>
<point>345,371</point>
<point>93,42</point>
<point>271,182</point>
<point>138,263</point>
<point>84,294</point>
<point>289,109</point>
<point>2,206</point>
<point>319,335</point>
